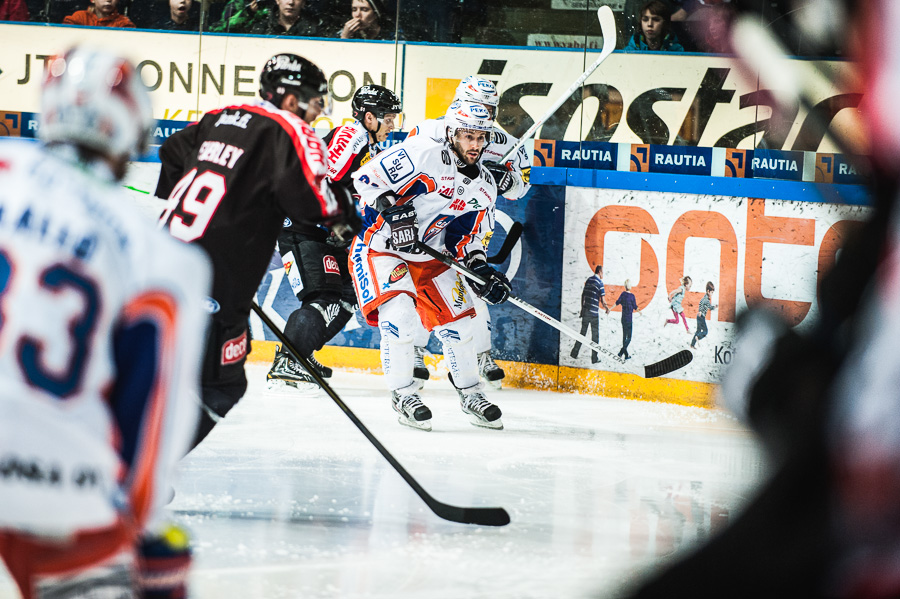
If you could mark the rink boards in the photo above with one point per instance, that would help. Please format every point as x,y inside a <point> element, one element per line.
<point>752,247</point>
<point>755,251</point>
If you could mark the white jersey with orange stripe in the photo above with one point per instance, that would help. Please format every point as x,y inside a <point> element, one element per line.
<point>102,325</point>
<point>455,211</point>
<point>500,144</point>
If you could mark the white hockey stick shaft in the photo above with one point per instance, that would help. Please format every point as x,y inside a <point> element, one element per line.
<point>608,28</point>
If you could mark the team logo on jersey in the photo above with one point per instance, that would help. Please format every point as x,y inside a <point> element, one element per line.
<point>234,350</point>
<point>397,165</point>
<point>287,222</point>
<point>331,265</point>
<point>398,273</point>
<point>436,226</point>
<point>210,305</point>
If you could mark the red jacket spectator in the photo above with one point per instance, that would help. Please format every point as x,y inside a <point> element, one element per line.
<point>13,10</point>
<point>101,13</point>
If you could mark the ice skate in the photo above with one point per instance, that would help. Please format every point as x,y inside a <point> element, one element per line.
<point>286,375</point>
<point>489,370</point>
<point>411,411</point>
<point>324,371</point>
<point>481,412</point>
<point>420,371</point>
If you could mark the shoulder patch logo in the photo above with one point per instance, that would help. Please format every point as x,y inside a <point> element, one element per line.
<point>398,165</point>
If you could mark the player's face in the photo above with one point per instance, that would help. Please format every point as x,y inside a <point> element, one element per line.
<point>362,10</point>
<point>314,109</point>
<point>651,25</point>
<point>388,124</point>
<point>468,145</point>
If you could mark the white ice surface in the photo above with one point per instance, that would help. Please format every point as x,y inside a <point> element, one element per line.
<point>286,498</point>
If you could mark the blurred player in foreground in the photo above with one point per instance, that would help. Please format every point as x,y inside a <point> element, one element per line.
<point>231,180</point>
<point>433,191</point>
<point>102,329</point>
<point>512,179</point>
<point>824,400</point>
<point>315,262</point>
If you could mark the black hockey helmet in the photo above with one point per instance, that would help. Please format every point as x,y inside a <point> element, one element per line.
<point>289,73</point>
<point>376,99</point>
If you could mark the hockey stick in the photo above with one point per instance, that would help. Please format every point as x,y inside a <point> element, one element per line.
<point>512,238</point>
<point>485,516</point>
<point>674,362</point>
<point>608,29</point>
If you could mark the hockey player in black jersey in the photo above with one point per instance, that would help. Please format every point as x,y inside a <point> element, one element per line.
<point>315,263</point>
<point>230,181</point>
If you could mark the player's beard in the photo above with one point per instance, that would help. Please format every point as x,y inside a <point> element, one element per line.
<point>464,157</point>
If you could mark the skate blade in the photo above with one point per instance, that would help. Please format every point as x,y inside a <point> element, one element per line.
<point>281,387</point>
<point>494,385</point>
<point>476,421</point>
<point>423,425</point>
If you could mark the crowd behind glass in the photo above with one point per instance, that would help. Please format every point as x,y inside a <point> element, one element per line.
<point>644,25</point>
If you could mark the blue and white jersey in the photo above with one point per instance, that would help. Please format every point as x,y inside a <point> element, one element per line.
<point>500,144</point>
<point>102,325</point>
<point>455,212</point>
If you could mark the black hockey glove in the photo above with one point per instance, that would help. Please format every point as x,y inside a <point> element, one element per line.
<point>403,224</point>
<point>348,223</point>
<point>496,288</point>
<point>502,176</point>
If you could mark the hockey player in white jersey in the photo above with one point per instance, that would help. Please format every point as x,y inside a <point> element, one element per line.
<point>433,191</point>
<point>102,327</point>
<point>513,182</point>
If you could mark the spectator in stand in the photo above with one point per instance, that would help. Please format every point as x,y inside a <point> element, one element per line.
<point>287,18</point>
<point>654,33</point>
<point>366,18</point>
<point>239,16</point>
<point>178,17</point>
<point>101,13</point>
<point>14,10</point>
<point>687,8</point>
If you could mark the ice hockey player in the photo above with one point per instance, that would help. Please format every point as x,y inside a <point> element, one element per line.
<point>512,181</point>
<point>315,262</point>
<point>103,326</point>
<point>231,181</point>
<point>441,184</point>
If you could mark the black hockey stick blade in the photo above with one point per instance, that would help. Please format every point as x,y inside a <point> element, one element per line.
<point>512,238</point>
<point>485,516</point>
<point>670,364</point>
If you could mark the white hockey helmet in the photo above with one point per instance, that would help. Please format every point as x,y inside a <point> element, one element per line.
<point>468,115</point>
<point>95,99</point>
<point>476,89</point>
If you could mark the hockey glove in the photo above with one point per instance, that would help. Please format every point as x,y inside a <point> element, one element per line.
<point>348,223</point>
<point>164,562</point>
<point>403,225</point>
<point>502,176</point>
<point>496,288</point>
